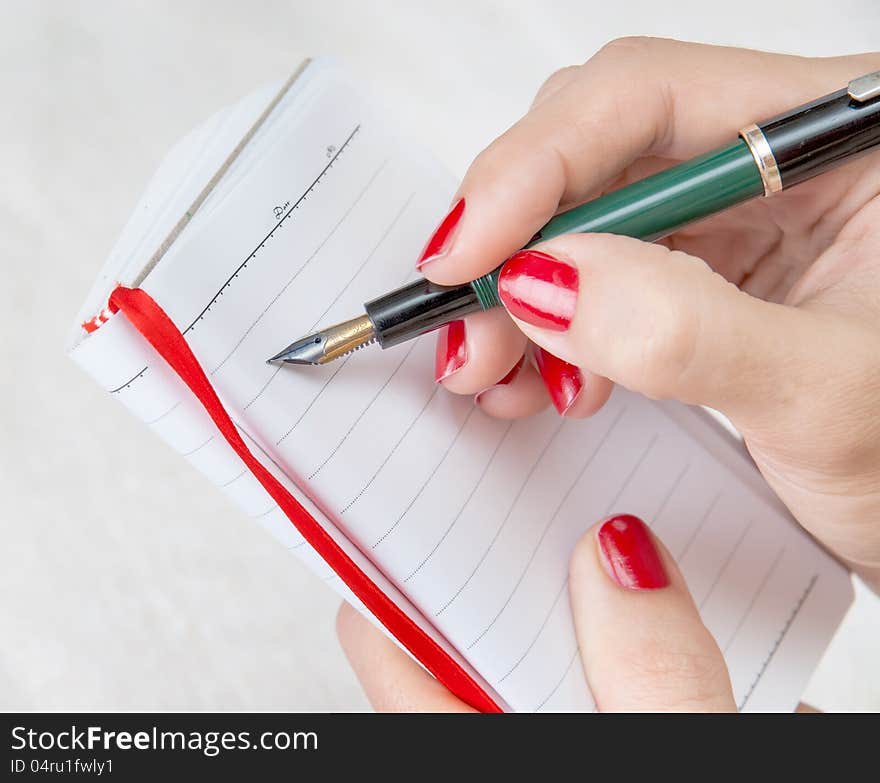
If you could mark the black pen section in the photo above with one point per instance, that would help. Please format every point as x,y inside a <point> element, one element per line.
<point>417,308</point>
<point>818,135</point>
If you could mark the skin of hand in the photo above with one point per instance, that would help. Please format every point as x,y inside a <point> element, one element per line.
<point>769,312</point>
<point>642,643</point>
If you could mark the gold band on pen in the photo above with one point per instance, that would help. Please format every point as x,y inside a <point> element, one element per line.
<point>754,137</point>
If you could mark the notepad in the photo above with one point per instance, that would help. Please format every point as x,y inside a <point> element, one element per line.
<point>286,212</point>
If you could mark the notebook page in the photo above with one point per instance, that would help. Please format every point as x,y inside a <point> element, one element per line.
<point>155,395</point>
<point>473,519</point>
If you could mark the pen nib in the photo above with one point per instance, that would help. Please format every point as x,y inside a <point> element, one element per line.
<point>307,350</point>
<point>329,344</point>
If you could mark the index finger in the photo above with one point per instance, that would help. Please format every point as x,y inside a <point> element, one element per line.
<point>635,97</point>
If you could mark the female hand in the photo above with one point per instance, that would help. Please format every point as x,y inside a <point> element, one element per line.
<point>642,643</point>
<point>769,313</point>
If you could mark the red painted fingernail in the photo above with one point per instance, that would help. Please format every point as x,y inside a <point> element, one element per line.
<point>506,380</point>
<point>563,380</point>
<point>630,555</point>
<point>539,289</point>
<point>451,351</point>
<point>441,240</point>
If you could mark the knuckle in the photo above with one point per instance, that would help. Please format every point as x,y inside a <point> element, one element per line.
<point>667,352</point>
<point>664,347</point>
<point>678,303</point>
<point>556,81</point>
<point>638,67</point>
<point>630,45</point>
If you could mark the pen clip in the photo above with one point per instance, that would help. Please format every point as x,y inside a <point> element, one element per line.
<point>865,88</point>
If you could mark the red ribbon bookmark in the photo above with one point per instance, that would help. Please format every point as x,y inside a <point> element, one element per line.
<point>153,323</point>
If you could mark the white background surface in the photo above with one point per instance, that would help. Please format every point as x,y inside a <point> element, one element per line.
<point>126,582</point>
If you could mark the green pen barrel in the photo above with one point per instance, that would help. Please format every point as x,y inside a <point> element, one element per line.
<point>655,206</point>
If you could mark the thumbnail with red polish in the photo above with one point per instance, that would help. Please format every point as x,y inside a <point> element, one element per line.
<point>563,380</point>
<point>441,240</point>
<point>539,289</point>
<point>451,350</point>
<point>630,554</point>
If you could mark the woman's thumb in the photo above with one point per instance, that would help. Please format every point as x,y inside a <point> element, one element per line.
<point>641,639</point>
<point>658,322</point>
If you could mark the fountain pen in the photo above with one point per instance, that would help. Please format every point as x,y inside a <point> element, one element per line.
<point>764,159</point>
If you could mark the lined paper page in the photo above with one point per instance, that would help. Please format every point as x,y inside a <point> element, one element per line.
<point>162,401</point>
<point>471,518</point>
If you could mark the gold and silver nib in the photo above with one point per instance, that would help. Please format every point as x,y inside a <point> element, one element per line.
<point>328,344</point>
